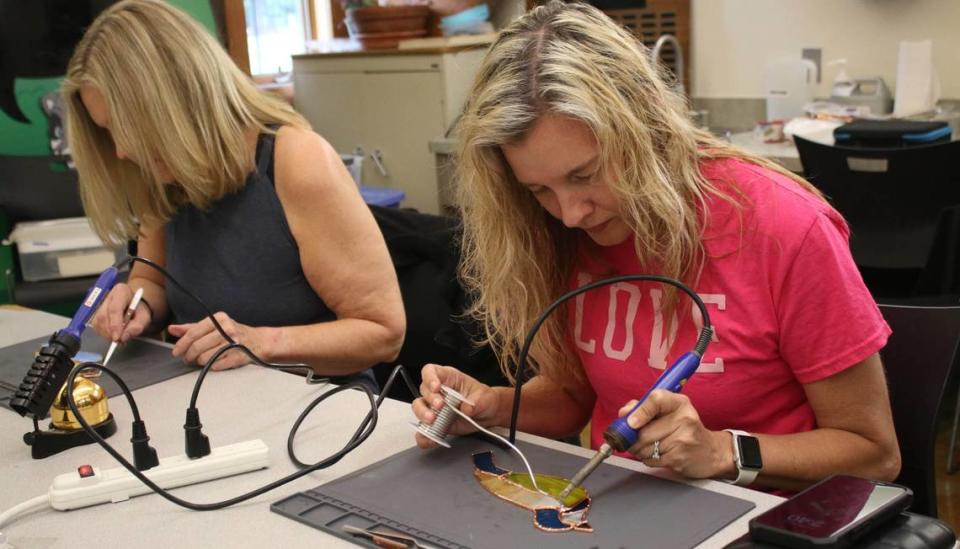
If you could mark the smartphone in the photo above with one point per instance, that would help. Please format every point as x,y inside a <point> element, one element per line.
<point>832,513</point>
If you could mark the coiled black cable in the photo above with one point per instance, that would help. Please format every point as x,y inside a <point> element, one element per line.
<point>365,429</point>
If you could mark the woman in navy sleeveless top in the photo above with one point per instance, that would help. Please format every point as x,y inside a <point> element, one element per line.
<point>229,189</point>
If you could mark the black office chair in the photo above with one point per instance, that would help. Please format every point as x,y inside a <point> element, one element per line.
<point>36,188</point>
<point>919,359</point>
<point>903,207</point>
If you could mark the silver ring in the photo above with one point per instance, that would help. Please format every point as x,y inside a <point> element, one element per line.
<point>656,450</point>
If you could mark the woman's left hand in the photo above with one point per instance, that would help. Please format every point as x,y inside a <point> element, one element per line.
<point>670,424</point>
<point>200,340</point>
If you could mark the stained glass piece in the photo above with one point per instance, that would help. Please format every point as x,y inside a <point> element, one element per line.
<point>548,513</point>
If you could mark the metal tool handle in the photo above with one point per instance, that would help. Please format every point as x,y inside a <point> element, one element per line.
<point>377,157</point>
<point>619,434</point>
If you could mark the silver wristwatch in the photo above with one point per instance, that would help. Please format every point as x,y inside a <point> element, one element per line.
<point>746,454</point>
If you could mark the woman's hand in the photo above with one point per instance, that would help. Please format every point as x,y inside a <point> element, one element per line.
<point>200,340</point>
<point>483,410</point>
<point>668,422</point>
<point>108,321</point>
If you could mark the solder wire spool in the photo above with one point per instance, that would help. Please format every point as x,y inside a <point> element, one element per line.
<point>437,431</point>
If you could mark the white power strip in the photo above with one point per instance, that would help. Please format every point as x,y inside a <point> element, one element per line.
<point>72,491</point>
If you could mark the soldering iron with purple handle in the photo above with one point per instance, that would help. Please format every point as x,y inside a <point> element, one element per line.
<point>54,361</point>
<point>619,435</point>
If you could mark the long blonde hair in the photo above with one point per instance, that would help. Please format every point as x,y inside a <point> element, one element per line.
<point>174,96</point>
<point>572,60</point>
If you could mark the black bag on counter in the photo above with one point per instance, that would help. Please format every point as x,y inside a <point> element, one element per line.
<point>891,133</point>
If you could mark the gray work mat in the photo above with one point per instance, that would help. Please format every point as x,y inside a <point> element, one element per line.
<point>434,497</point>
<point>141,362</point>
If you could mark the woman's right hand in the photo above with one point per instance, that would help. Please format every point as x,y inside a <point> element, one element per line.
<point>484,398</point>
<point>108,321</point>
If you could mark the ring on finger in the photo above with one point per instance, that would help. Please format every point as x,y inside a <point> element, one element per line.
<point>656,450</point>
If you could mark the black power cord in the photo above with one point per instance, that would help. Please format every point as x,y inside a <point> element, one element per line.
<point>369,424</point>
<point>702,341</point>
<point>196,442</point>
<point>144,455</point>
<point>363,425</point>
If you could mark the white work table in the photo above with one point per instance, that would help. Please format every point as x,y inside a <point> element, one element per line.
<point>237,405</point>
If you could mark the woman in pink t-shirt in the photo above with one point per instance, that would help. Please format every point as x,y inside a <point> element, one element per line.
<point>577,162</point>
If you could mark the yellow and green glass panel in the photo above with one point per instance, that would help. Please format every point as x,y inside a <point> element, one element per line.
<point>549,513</point>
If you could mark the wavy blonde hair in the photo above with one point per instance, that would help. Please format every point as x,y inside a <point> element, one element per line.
<point>173,95</point>
<point>572,60</point>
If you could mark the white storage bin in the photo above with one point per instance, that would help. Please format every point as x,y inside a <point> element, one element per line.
<point>61,248</point>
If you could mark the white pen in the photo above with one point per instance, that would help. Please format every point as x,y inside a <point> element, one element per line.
<point>127,315</point>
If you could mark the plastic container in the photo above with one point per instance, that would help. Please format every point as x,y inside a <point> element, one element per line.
<point>354,165</point>
<point>469,21</point>
<point>790,84</point>
<point>379,196</point>
<point>61,248</point>
<point>469,16</point>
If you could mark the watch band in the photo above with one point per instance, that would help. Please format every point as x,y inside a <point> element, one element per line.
<point>745,476</point>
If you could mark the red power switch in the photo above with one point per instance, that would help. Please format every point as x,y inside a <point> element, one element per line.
<point>85,471</point>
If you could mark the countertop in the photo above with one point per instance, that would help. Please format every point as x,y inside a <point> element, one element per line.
<point>784,153</point>
<point>346,47</point>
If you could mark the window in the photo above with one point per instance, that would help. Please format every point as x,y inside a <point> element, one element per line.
<point>277,29</point>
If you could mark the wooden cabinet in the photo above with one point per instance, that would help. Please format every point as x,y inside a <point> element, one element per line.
<point>391,105</point>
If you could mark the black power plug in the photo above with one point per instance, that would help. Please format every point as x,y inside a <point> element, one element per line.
<point>197,443</point>
<point>144,455</point>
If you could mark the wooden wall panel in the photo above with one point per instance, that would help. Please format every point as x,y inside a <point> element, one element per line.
<point>651,18</point>
<point>235,23</point>
<point>336,19</point>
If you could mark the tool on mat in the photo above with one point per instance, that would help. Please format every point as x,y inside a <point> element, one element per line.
<point>390,540</point>
<point>127,315</point>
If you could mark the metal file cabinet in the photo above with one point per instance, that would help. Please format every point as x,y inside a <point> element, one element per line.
<point>390,104</point>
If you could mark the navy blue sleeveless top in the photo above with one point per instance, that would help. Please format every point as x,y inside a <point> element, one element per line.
<point>239,256</point>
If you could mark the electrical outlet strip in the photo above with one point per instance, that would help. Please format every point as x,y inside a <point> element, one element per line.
<point>91,486</point>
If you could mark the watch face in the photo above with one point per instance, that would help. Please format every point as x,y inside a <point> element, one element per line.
<point>749,453</point>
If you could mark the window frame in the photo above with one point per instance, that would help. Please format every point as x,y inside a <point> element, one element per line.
<point>235,29</point>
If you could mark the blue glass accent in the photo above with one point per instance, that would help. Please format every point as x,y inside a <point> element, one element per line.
<point>550,519</point>
<point>583,504</point>
<point>484,462</point>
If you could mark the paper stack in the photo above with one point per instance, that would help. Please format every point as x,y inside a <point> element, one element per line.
<point>918,88</point>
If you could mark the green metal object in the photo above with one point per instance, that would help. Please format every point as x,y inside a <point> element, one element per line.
<point>63,308</point>
<point>19,139</point>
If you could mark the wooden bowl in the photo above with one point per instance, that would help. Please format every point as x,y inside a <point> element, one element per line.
<point>384,26</point>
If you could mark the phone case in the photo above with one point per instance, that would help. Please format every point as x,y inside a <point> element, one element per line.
<point>905,531</point>
<point>759,531</point>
